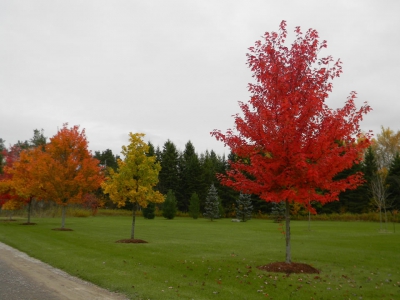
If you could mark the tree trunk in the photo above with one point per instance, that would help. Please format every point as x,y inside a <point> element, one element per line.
<point>64,209</point>
<point>133,220</point>
<point>29,210</point>
<point>309,217</point>
<point>287,220</point>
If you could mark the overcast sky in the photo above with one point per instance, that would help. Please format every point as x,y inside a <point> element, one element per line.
<point>175,69</point>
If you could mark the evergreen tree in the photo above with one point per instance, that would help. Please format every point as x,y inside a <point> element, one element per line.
<point>393,180</point>
<point>107,159</point>
<point>212,204</point>
<point>152,151</point>
<point>278,211</point>
<point>244,208</point>
<point>149,211</point>
<point>168,176</point>
<point>38,139</point>
<point>194,206</point>
<point>169,207</point>
<point>190,175</point>
<point>353,201</point>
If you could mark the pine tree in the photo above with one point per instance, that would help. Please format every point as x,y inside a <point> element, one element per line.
<point>169,176</point>
<point>212,204</point>
<point>169,207</point>
<point>194,206</point>
<point>149,211</point>
<point>190,175</point>
<point>244,207</point>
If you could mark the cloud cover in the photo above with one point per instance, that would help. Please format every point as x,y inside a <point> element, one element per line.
<point>174,69</point>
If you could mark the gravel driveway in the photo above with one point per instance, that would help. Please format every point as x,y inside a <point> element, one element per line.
<point>25,278</point>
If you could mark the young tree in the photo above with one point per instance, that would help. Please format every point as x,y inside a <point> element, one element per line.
<point>212,204</point>
<point>135,178</point>
<point>379,191</point>
<point>169,207</point>
<point>9,199</point>
<point>25,174</point>
<point>244,208</point>
<point>194,206</point>
<point>149,211</point>
<point>66,169</point>
<point>288,142</point>
<point>386,145</point>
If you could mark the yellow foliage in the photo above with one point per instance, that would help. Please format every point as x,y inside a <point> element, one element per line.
<point>136,176</point>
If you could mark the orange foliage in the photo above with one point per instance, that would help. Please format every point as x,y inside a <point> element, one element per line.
<point>66,169</point>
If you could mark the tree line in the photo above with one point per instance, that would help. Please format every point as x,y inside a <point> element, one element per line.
<point>186,172</point>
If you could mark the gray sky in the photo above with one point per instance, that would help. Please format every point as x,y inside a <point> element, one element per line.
<point>175,69</point>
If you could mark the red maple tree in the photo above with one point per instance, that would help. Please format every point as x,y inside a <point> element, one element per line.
<point>289,144</point>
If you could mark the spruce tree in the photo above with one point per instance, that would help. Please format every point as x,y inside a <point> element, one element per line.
<point>278,211</point>
<point>212,204</point>
<point>194,206</point>
<point>190,176</point>
<point>149,211</point>
<point>169,174</point>
<point>169,207</point>
<point>244,208</point>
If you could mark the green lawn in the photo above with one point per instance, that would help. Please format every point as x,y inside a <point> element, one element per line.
<point>199,259</point>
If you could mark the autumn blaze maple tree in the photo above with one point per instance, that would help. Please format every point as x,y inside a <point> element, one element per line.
<point>289,144</point>
<point>135,178</point>
<point>9,198</point>
<point>25,181</point>
<point>66,169</point>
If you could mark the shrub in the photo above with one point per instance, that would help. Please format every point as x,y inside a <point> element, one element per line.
<point>169,207</point>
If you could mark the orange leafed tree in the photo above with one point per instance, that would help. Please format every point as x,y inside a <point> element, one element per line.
<point>66,169</point>
<point>26,176</point>
<point>9,199</point>
<point>289,144</point>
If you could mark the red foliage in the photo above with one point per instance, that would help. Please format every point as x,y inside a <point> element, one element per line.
<point>7,192</point>
<point>288,143</point>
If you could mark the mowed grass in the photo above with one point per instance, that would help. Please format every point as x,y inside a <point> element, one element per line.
<point>199,259</point>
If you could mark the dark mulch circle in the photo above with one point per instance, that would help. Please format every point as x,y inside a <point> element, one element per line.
<point>132,241</point>
<point>283,267</point>
<point>28,224</point>
<point>62,229</point>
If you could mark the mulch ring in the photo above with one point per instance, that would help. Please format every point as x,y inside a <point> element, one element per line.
<point>28,223</point>
<point>62,229</point>
<point>289,268</point>
<point>132,241</point>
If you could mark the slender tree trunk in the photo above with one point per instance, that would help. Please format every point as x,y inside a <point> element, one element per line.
<point>309,217</point>
<point>133,220</point>
<point>64,209</point>
<point>384,209</point>
<point>287,220</point>
<point>29,210</point>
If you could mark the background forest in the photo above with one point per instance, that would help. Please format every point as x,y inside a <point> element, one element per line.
<point>185,172</point>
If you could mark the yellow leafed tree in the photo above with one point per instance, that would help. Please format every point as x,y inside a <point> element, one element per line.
<point>135,177</point>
